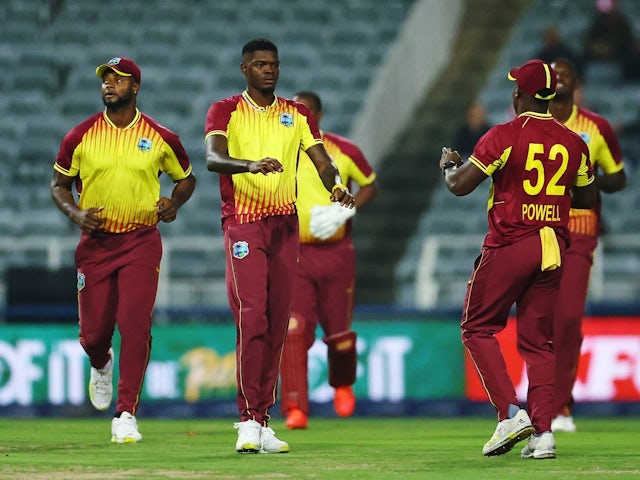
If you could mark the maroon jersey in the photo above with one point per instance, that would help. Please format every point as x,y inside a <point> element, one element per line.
<point>533,161</point>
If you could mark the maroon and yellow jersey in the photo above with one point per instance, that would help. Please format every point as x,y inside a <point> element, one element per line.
<point>533,161</point>
<point>119,168</point>
<point>253,132</point>
<point>605,154</point>
<point>353,168</point>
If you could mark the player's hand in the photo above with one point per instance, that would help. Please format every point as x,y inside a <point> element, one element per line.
<point>449,156</point>
<point>327,219</point>
<point>265,166</point>
<point>88,220</point>
<point>167,210</point>
<point>343,197</point>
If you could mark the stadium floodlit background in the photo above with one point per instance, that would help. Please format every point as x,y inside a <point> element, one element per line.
<point>396,77</point>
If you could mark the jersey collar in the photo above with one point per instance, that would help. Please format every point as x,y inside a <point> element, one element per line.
<point>574,114</point>
<point>250,101</point>
<point>135,120</point>
<point>536,115</point>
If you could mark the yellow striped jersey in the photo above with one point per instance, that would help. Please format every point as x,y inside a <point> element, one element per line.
<point>353,168</point>
<point>605,153</point>
<point>119,168</point>
<point>279,131</point>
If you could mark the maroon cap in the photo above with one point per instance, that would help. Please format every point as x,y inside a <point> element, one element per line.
<point>124,67</point>
<point>536,78</point>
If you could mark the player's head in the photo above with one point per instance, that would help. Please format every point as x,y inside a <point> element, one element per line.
<point>259,44</point>
<point>567,78</point>
<point>260,64</point>
<point>125,67</point>
<point>312,100</point>
<point>120,82</point>
<point>535,85</point>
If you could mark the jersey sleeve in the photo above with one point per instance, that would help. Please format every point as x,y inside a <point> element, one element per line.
<point>174,160</point>
<point>491,152</point>
<point>218,117</point>
<point>352,165</point>
<point>310,133</point>
<point>585,175</point>
<point>608,155</point>
<point>67,161</point>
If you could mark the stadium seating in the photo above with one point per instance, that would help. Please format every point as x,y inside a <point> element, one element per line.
<point>189,53</point>
<point>190,57</point>
<point>605,92</point>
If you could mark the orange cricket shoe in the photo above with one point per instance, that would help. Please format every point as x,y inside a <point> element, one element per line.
<point>344,401</point>
<point>296,419</point>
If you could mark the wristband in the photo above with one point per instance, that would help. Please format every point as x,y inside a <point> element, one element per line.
<point>339,186</point>
<point>447,165</point>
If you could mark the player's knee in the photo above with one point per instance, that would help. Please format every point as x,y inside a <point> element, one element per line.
<point>296,325</point>
<point>341,342</point>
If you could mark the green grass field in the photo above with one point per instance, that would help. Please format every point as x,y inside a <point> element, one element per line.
<point>354,448</point>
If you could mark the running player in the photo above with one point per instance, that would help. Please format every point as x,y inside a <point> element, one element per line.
<point>324,293</point>
<point>584,228</point>
<point>114,158</point>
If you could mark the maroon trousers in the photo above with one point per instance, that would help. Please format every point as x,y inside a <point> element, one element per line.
<point>501,277</point>
<point>262,262</point>
<point>117,284</point>
<point>567,326</point>
<point>324,295</point>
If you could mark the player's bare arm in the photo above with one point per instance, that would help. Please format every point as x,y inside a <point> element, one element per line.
<point>182,190</point>
<point>87,220</point>
<point>330,176</point>
<point>460,177</point>
<point>365,194</point>
<point>584,197</point>
<point>219,161</point>
<point>611,183</point>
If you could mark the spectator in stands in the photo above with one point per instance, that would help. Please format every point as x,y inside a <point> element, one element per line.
<point>522,252</point>
<point>118,256</point>
<point>252,140</point>
<point>554,46</point>
<point>474,126</point>
<point>584,227</point>
<point>324,294</point>
<point>609,37</point>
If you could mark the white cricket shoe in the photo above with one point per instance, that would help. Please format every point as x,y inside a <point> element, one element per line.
<point>509,432</point>
<point>125,429</point>
<point>248,436</point>
<point>540,446</point>
<point>563,423</point>
<point>101,385</point>
<point>269,443</point>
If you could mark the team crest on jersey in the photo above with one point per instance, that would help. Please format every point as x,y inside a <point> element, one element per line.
<point>585,137</point>
<point>240,249</point>
<point>81,281</point>
<point>144,144</point>
<point>286,119</point>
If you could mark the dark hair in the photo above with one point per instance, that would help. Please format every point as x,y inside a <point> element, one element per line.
<point>259,44</point>
<point>572,66</point>
<point>315,98</point>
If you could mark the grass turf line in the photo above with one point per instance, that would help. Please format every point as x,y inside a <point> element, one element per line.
<point>353,448</point>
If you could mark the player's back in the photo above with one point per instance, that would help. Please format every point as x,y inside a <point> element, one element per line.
<point>532,187</point>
